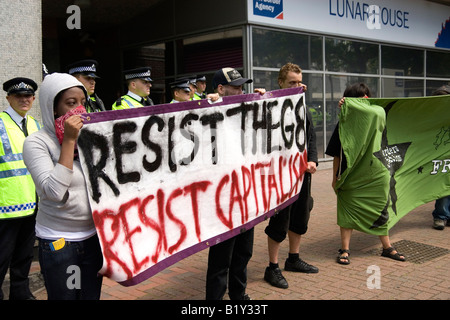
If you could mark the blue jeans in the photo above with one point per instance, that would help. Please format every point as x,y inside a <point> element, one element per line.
<point>442,209</point>
<point>71,273</point>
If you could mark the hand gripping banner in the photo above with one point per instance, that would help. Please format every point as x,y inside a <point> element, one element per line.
<point>170,180</point>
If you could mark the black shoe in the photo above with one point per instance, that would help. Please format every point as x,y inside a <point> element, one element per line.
<point>439,224</point>
<point>30,297</point>
<point>275,278</point>
<point>300,266</point>
<point>245,296</point>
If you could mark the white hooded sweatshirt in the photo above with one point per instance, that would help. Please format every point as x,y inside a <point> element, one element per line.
<point>63,208</point>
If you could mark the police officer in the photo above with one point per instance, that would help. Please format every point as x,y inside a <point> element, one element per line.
<point>138,84</point>
<point>193,87</point>
<point>200,88</point>
<point>18,201</point>
<point>86,72</point>
<point>181,90</point>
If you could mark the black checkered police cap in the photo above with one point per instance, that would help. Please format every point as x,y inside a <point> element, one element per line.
<point>201,78</point>
<point>193,80</point>
<point>181,84</point>
<point>85,67</point>
<point>138,73</point>
<point>20,85</point>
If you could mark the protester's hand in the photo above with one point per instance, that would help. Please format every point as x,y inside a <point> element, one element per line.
<point>311,167</point>
<point>213,96</point>
<point>260,90</point>
<point>72,127</point>
<point>304,86</point>
<point>341,102</point>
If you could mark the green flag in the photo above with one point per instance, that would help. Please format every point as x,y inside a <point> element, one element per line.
<point>398,157</point>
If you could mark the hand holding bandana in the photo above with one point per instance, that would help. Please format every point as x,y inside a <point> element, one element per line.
<point>59,122</point>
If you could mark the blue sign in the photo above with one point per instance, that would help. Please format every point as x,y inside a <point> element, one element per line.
<point>268,8</point>
<point>443,40</point>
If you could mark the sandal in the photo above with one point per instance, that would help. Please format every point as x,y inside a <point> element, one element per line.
<point>342,257</point>
<point>388,253</point>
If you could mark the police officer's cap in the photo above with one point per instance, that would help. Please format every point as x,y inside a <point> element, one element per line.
<point>85,67</point>
<point>138,73</point>
<point>181,84</point>
<point>201,78</point>
<point>193,80</point>
<point>20,85</point>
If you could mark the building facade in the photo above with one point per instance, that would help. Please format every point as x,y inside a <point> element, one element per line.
<point>399,48</point>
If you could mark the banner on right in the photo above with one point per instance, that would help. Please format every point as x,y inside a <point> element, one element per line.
<point>398,158</point>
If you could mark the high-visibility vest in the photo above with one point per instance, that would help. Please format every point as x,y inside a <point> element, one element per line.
<point>197,96</point>
<point>17,190</point>
<point>126,102</point>
<point>94,104</point>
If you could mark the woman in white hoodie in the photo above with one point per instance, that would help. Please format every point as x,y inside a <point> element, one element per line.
<point>69,250</point>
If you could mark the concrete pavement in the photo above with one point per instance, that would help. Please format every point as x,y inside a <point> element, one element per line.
<point>368,277</point>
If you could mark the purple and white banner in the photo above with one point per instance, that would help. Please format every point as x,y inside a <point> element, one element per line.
<point>170,180</point>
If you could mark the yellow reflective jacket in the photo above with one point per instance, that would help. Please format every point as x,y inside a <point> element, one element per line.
<point>126,102</point>
<point>17,191</point>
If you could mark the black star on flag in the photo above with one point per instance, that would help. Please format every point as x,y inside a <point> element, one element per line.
<point>392,157</point>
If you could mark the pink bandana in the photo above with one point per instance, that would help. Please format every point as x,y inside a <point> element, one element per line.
<point>59,122</point>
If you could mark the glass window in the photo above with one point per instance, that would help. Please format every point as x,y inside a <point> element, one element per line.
<point>211,54</point>
<point>438,64</point>
<point>402,61</point>
<point>398,87</point>
<point>432,85</point>
<point>265,79</point>
<point>351,56</point>
<point>273,49</point>
<point>314,103</point>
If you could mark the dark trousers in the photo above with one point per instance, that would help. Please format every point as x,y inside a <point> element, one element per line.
<point>71,273</point>
<point>294,217</point>
<point>17,238</point>
<point>229,259</point>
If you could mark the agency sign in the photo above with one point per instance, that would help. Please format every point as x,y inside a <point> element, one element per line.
<point>417,23</point>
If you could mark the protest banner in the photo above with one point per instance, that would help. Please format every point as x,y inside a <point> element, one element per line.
<point>398,158</point>
<point>170,180</point>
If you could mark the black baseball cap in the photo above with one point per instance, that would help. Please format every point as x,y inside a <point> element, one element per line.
<point>229,76</point>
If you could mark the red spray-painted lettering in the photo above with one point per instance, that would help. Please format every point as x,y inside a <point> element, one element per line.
<point>234,194</point>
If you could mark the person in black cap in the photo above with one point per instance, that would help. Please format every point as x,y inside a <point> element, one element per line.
<point>227,261</point>
<point>18,201</point>
<point>228,82</point>
<point>139,84</point>
<point>86,72</point>
<point>180,90</point>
